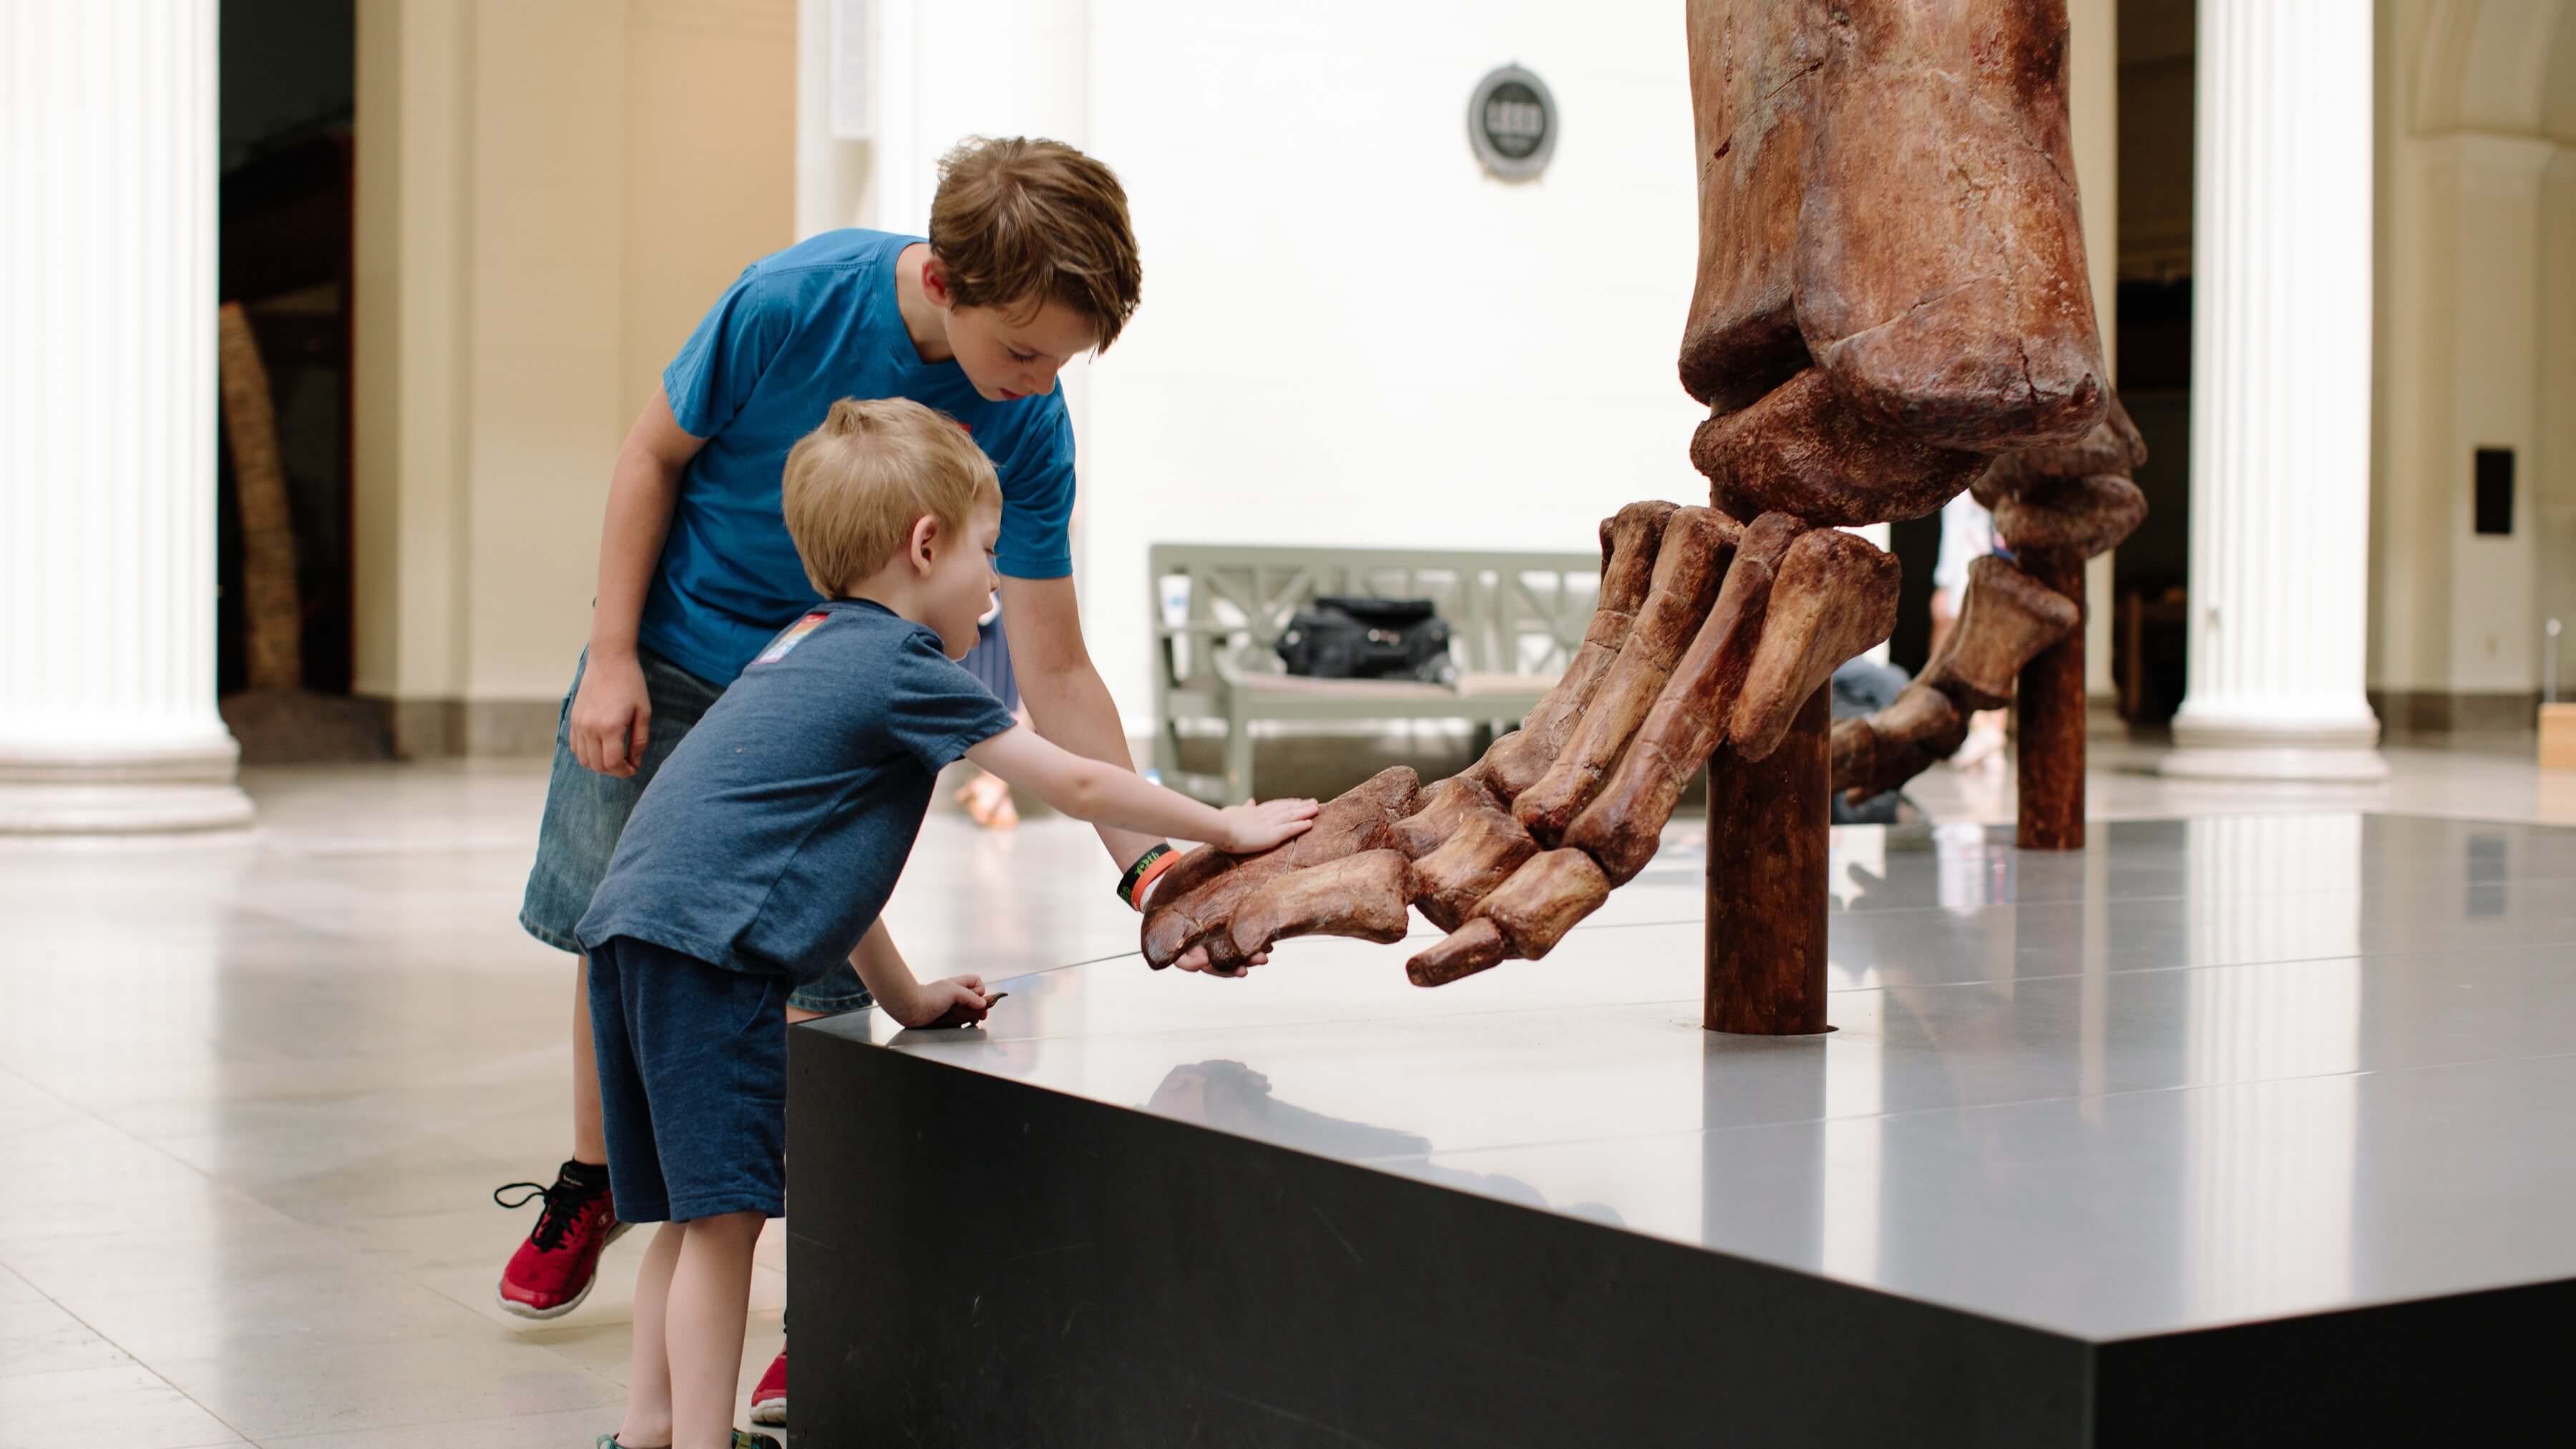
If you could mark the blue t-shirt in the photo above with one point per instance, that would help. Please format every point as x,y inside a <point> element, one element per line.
<point>796,333</point>
<point>774,833</point>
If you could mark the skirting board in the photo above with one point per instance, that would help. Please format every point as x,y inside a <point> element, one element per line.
<point>2433,711</point>
<point>432,729</point>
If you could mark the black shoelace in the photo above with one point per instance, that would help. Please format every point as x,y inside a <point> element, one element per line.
<point>564,1202</point>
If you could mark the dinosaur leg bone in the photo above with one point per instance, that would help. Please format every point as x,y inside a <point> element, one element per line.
<point>1697,545</point>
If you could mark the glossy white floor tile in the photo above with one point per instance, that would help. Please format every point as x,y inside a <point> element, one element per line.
<point>38,1337</point>
<point>255,1090</point>
<point>127,1406</point>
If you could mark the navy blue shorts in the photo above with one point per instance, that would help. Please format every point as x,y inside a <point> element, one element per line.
<point>692,1083</point>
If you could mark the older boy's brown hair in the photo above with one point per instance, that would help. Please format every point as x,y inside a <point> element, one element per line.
<point>854,487</point>
<point>1021,222</point>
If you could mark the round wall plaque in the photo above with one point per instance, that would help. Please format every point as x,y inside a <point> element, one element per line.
<point>1511,122</point>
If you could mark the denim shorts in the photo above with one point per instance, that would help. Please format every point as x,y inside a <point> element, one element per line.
<point>586,812</point>
<point>692,1084</point>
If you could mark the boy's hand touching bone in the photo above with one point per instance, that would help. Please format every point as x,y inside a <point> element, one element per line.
<point>1255,826</point>
<point>1197,958</point>
<point>1107,794</point>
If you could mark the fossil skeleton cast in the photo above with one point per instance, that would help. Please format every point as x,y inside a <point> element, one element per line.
<point>2074,502</point>
<point>1891,304</point>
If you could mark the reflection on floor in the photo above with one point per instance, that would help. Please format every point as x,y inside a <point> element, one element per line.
<point>254,1091</point>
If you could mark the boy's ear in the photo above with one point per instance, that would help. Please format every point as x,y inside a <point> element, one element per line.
<point>935,284</point>
<point>921,550</point>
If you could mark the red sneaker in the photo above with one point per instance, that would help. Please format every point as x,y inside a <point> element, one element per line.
<point>769,1401</point>
<point>559,1263</point>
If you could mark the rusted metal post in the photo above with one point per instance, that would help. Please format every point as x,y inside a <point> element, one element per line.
<point>1767,882</point>
<point>2048,710</point>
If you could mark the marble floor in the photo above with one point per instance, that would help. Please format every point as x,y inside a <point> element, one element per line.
<point>255,1090</point>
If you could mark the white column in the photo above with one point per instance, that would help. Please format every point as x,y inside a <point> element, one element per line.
<point>2280,430</point>
<point>107,420</point>
<point>841,47</point>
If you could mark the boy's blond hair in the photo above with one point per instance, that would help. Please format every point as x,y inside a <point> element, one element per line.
<point>1021,222</point>
<point>855,486</point>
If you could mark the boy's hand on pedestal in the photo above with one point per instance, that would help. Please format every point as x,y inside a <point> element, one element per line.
<point>952,1001</point>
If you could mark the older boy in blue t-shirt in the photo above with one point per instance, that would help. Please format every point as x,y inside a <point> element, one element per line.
<point>759,858</point>
<point>1030,260</point>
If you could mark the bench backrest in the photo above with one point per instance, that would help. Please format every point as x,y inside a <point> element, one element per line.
<point>1508,612</point>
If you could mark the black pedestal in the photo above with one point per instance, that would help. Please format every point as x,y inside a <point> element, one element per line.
<point>978,1262</point>
<point>2236,1130</point>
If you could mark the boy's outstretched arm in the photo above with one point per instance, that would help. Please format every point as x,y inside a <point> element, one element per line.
<point>1067,701</point>
<point>1107,795</point>
<point>611,716</point>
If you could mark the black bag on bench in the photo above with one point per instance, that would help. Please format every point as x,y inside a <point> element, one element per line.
<point>1347,636</point>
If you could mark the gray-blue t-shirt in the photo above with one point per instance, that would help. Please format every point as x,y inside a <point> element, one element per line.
<point>794,334</point>
<point>773,835</point>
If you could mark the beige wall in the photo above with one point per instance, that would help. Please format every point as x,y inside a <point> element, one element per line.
<point>412,226</point>
<point>2554,493</point>
<point>550,194</point>
<point>2475,249</point>
<point>2469,257</point>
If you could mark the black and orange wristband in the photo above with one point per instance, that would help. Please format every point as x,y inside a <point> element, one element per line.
<point>1149,865</point>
